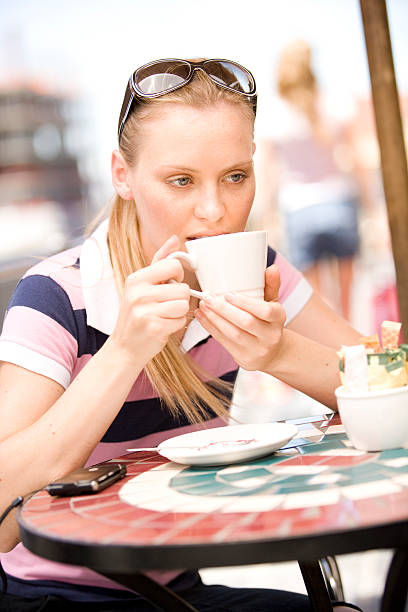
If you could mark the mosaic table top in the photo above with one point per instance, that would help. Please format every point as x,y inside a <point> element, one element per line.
<point>321,485</point>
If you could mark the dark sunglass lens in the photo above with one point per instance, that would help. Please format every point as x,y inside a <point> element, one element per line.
<point>232,75</point>
<point>161,76</point>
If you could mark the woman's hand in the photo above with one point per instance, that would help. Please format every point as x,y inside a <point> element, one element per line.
<point>152,308</point>
<point>250,329</point>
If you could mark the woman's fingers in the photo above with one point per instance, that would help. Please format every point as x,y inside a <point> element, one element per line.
<point>272,283</point>
<point>245,312</point>
<point>222,331</point>
<point>172,244</point>
<point>231,327</point>
<point>159,272</point>
<point>249,329</point>
<point>145,293</point>
<point>171,309</point>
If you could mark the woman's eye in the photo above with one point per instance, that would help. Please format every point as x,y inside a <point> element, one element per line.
<point>237,177</point>
<point>181,181</point>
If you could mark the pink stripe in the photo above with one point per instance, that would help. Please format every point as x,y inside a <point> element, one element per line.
<point>22,564</point>
<point>80,363</point>
<point>212,357</point>
<point>38,332</point>
<point>141,390</point>
<point>290,277</point>
<point>59,268</point>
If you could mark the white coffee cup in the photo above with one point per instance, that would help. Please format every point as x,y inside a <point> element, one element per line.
<point>375,420</point>
<point>228,263</point>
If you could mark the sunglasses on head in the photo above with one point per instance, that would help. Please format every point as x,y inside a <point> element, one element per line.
<point>163,76</point>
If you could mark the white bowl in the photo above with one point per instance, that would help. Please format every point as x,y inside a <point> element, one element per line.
<point>375,420</point>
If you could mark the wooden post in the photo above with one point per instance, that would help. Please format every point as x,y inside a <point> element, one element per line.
<point>391,140</point>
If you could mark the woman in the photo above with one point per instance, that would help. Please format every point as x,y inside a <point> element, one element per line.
<point>84,327</point>
<point>320,183</point>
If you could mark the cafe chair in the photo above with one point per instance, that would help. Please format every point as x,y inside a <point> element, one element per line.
<point>332,578</point>
<point>323,583</point>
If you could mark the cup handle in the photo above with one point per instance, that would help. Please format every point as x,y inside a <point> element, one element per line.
<point>191,262</point>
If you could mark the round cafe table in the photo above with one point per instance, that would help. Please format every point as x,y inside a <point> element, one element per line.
<point>316,498</point>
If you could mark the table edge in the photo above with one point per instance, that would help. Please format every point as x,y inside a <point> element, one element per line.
<point>122,557</point>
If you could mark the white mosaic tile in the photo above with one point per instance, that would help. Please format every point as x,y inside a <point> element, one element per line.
<point>249,483</point>
<point>370,489</point>
<point>397,462</point>
<point>401,480</point>
<point>262,503</point>
<point>302,470</point>
<point>335,429</point>
<point>314,498</point>
<point>325,479</point>
<point>343,452</point>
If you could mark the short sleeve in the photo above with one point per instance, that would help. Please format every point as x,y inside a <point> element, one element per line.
<point>40,329</point>
<point>295,291</point>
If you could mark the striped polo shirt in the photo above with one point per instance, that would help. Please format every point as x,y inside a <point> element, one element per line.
<point>61,313</point>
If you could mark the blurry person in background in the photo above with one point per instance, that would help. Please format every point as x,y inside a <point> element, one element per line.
<point>310,161</point>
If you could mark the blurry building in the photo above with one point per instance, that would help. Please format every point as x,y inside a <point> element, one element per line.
<point>35,165</point>
<point>41,190</point>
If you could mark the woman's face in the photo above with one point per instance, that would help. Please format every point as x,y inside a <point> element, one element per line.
<point>194,173</point>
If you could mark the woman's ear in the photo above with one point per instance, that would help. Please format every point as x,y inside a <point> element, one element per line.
<point>119,170</point>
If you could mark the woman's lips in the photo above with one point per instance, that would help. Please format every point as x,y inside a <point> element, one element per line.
<point>197,236</point>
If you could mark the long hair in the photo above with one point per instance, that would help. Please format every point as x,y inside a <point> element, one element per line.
<point>179,382</point>
<point>297,83</point>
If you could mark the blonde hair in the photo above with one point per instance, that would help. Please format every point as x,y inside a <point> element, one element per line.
<point>297,82</point>
<point>178,381</point>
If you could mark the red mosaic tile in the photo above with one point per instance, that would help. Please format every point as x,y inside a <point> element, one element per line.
<point>123,515</point>
<point>99,511</point>
<point>91,501</point>
<point>137,537</point>
<point>345,460</point>
<point>136,468</point>
<point>46,504</point>
<point>80,529</point>
<point>47,520</point>
<point>394,506</point>
<point>69,526</point>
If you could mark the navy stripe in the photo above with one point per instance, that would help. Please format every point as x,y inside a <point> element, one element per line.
<point>143,417</point>
<point>89,339</point>
<point>42,293</point>
<point>271,257</point>
<point>96,339</point>
<point>45,295</point>
<point>203,341</point>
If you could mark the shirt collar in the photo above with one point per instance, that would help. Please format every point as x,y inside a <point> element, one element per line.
<point>100,292</point>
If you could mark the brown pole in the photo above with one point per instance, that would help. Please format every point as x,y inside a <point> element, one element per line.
<point>390,138</point>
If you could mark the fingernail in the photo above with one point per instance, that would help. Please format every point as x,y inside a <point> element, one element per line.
<point>230,296</point>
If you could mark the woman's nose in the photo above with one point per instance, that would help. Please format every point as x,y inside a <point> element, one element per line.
<point>210,206</point>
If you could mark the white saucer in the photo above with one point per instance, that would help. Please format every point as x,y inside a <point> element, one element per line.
<point>229,444</point>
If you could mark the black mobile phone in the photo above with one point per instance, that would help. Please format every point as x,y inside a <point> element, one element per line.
<point>87,480</point>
